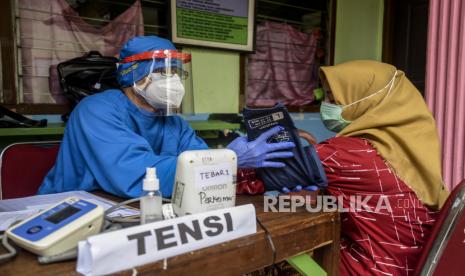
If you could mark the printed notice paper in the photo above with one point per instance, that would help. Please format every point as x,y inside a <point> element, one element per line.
<point>217,20</point>
<point>139,245</point>
<point>213,23</point>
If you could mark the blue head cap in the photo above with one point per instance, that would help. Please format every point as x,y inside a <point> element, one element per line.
<point>131,72</point>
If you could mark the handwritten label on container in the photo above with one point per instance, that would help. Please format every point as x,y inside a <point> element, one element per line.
<point>213,174</point>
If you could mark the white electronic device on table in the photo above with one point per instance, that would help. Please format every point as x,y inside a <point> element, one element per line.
<point>205,180</point>
<point>59,228</point>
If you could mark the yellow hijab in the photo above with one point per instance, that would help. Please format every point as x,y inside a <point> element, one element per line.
<point>399,124</point>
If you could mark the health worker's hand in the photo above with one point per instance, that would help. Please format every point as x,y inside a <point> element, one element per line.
<point>257,153</point>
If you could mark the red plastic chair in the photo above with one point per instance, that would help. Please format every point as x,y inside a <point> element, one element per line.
<point>23,167</point>
<point>444,253</point>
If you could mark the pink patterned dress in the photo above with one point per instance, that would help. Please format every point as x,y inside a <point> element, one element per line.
<point>384,232</point>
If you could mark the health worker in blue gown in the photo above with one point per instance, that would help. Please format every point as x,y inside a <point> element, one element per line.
<point>111,137</point>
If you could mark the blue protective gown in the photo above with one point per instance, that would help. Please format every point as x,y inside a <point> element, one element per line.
<point>109,142</point>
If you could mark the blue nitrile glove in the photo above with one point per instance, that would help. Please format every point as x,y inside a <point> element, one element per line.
<point>255,154</point>
<point>298,188</point>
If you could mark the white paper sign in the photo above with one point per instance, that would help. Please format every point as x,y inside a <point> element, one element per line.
<point>127,248</point>
<point>213,174</point>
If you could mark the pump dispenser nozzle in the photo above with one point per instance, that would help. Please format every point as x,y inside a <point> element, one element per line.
<point>151,182</point>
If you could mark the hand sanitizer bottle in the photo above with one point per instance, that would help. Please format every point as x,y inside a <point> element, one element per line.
<point>151,202</point>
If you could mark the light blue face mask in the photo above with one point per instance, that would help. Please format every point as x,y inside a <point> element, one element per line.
<point>331,114</point>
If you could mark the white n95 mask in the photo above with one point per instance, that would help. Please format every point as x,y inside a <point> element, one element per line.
<point>162,92</point>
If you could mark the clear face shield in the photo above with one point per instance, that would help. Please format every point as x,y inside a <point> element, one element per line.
<point>160,78</point>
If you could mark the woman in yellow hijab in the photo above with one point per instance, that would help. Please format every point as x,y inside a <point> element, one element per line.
<point>385,156</point>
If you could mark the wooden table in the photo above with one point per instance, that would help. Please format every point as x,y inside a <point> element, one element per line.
<point>292,234</point>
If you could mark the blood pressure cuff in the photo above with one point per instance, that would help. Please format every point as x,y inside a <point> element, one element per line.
<point>303,169</point>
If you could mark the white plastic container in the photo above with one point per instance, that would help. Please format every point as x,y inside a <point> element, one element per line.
<point>205,180</point>
<point>151,202</point>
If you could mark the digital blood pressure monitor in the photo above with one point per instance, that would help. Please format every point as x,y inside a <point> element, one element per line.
<point>58,228</point>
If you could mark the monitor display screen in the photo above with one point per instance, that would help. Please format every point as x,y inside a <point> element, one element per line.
<point>62,214</point>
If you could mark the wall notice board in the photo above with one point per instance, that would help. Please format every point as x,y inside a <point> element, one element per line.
<point>222,24</point>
